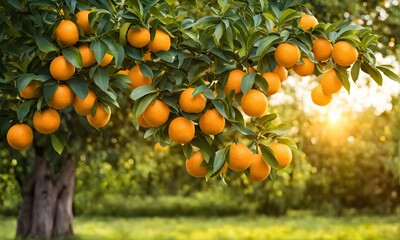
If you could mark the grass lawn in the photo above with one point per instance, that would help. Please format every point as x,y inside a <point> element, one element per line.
<point>241,227</point>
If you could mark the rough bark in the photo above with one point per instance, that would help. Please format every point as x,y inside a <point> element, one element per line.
<point>46,208</point>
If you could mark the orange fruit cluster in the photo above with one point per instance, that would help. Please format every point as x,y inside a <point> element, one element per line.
<point>48,120</point>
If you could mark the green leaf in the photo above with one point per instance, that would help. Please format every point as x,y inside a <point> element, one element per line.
<point>352,38</point>
<point>243,130</point>
<point>348,28</point>
<point>355,70</point>
<point>269,156</point>
<point>44,45</point>
<point>209,94</point>
<point>142,91</point>
<point>101,78</point>
<point>146,70</point>
<point>219,160</point>
<point>247,82</point>
<point>99,49</point>
<point>261,83</point>
<point>122,33</point>
<point>134,53</point>
<point>168,56</point>
<point>73,56</point>
<point>205,148</point>
<point>149,132</point>
<point>219,30</point>
<point>200,89</point>
<point>229,37</point>
<point>79,86</point>
<point>207,19</point>
<point>43,3</point>
<point>23,80</point>
<point>220,108</point>
<point>287,15</point>
<point>42,78</point>
<point>389,73</point>
<point>113,47</point>
<point>137,8</point>
<point>71,5</point>
<point>143,104</point>
<point>373,72</point>
<point>368,40</point>
<point>287,141</point>
<point>279,129</point>
<point>187,150</point>
<point>267,118</point>
<point>58,141</point>
<point>265,44</point>
<point>343,76</point>
<point>23,110</point>
<point>49,90</point>
<point>16,4</point>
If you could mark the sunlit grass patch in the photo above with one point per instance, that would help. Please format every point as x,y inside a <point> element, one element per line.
<point>299,226</point>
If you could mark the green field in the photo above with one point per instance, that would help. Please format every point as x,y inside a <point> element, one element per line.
<point>241,227</point>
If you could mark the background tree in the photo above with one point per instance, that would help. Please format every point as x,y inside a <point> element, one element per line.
<point>69,65</point>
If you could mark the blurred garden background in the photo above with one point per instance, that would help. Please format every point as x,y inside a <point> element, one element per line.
<point>343,183</point>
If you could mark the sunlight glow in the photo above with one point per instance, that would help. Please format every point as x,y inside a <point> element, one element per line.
<point>365,93</point>
<point>334,116</point>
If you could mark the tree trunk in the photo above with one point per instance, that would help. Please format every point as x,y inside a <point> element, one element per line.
<point>46,208</point>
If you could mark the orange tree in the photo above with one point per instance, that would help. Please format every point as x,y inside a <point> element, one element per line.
<point>197,73</point>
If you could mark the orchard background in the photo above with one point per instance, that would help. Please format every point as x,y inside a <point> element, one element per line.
<point>279,108</point>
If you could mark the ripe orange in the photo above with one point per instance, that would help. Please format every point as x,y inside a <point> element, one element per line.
<point>123,72</point>
<point>344,54</point>
<point>106,60</point>
<point>161,42</point>
<point>140,120</point>
<point>181,130</point>
<point>47,121</point>
<point>287,54</point>
<point>137,77</point>
<point>234,79</point>
<point>100,118</point>
<point>61,69</point>
<point>330,83</point>
<point>147,56</point>
<point>62,97</point>
<point>67,33</point>
<point>138,38</point>
<point>307,21</point>
<point>82,19</point>
<point>20,136</point>
<point>282,153</point>
<point>156,114</point>
<point>87,55</point>
<point>304,69</point>
<point>84,106</point>
<point>274,82</point>
<point>239,157</point>
<point>212,122</point>
<point>322,49</point>
<point>319,97</point>
<point>159,148</point>
<point>193,165</point>
<point>190,103</point>
<point>254,103</point>
<point>259,169</point>
<point>30,91</point>
<point>281,72</point>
